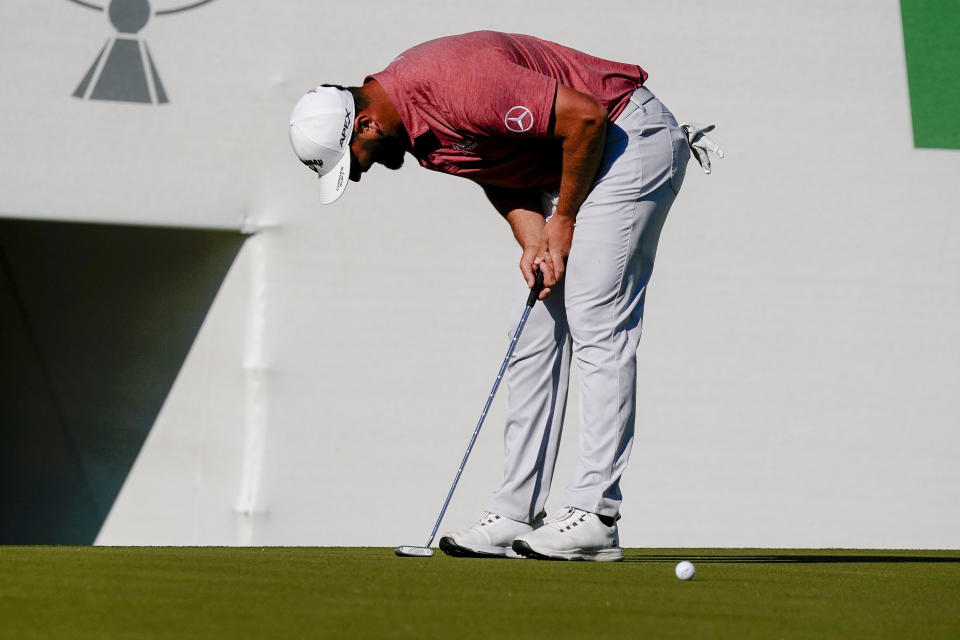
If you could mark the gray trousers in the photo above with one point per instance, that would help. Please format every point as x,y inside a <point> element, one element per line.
<point>595,316</point>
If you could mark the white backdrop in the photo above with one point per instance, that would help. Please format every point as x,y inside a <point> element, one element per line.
<point>800,361</point>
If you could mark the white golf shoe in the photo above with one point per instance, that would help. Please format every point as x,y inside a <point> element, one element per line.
<point>572,534</point>
<point>492,536</point>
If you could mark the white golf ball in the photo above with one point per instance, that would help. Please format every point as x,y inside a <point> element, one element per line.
<point>685,570</point>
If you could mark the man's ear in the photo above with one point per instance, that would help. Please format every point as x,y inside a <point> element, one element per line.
<point>364,125</point>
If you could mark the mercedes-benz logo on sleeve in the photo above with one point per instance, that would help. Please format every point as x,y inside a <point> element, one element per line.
<point>518,119</point>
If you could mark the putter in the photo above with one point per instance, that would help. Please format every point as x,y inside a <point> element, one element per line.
<point>425,551</point>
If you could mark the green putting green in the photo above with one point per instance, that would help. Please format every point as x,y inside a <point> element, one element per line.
<point>214,592</point>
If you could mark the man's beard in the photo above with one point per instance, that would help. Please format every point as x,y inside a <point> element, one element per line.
<point>390,152</point>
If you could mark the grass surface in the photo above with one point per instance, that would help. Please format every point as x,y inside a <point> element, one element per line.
<point>104,592</point>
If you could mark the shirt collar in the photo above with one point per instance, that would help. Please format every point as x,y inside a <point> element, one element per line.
<point>415,125</point>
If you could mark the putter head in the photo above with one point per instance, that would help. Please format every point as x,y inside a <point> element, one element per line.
<point>407,551</point>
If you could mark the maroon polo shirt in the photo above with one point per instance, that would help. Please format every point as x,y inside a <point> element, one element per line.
<point>478,105</point>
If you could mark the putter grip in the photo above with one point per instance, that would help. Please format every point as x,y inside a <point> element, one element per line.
<point>537,288</point>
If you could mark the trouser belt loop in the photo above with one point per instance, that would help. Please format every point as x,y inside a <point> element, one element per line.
<point>637,99</point>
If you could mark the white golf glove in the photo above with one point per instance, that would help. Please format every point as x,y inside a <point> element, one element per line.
<point>700,145</point>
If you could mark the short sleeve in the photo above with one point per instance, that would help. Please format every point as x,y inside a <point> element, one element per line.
<point>492,96</point>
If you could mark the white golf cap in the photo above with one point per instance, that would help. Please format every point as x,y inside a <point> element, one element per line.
<point>320,128</point>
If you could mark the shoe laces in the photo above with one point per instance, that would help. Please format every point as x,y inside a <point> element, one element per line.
<point>567,518</point>
<point>486,517</point>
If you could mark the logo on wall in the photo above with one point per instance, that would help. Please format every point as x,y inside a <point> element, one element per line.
<point>124,70</point>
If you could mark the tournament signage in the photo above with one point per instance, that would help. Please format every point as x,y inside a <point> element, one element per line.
<point>124,69</point>
<point>932,49</point>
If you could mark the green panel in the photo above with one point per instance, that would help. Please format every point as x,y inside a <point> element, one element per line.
<point>931,37</point>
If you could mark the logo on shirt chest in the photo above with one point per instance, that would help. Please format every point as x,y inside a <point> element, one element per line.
<point>467,146</point>
<point>518,119</point>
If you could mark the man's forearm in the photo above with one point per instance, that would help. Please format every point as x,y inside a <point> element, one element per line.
<point>526,227</point>
<point>580,121</point>
<point>582,155</point>
<point>507,200</point>
<point>582,124</point>
<point>521,210</point>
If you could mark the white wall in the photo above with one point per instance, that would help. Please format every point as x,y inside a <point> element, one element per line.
<point>799,364</point>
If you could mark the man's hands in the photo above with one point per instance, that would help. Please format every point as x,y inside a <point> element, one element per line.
<point>545,246</point>
<point>551,256</point>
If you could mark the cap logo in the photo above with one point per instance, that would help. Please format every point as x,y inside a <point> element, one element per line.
<point>518,119</point>
<point>346,126</point>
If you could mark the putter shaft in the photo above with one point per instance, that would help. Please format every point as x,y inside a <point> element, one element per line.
<point>531,300</point>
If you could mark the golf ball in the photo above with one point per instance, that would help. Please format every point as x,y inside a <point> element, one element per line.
<point>685,570</point>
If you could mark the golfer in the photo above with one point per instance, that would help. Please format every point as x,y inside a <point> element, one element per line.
<point>583,162</point>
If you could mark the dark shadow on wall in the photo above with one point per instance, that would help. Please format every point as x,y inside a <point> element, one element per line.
<point>95,323</point>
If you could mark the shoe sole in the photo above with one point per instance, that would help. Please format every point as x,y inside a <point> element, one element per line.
<point>603,555</point>
<point>451,548</point>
